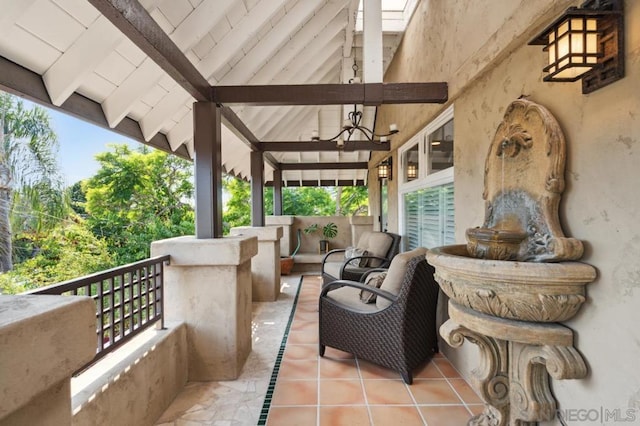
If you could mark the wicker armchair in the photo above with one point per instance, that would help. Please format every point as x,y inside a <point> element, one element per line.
<point>381,247</point>
<point>399,330</point>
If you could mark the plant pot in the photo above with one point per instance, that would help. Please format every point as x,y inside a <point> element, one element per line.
<point>324,246</point>
<point>286,265</point>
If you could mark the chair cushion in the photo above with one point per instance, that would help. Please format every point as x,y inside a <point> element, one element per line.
<point>354,252</point>
<point>350,297</point>
<point>373,280</point>
<point>396,274</point>
<point>377,244</point>
<point>333,269</point>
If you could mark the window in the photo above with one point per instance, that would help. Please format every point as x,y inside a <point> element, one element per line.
<point>429,220</point>
<point>410,163</point>
<point>426,188</point>
<point>441,148</point>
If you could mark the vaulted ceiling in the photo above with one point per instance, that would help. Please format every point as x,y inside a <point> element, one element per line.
<point>67,54</point>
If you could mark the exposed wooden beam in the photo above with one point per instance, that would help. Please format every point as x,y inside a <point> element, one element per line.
<point>312,146</point>
<point>247,136</point>
<point>323,182</point>
<point>29,85</point>
<point>130,17</point>
<point>332,94</point>
<point>324,166</point>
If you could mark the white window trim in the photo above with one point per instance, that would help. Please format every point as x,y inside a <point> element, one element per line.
<point>423,180</point>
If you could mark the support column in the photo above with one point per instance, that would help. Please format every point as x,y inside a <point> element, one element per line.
<point>207,144</point>
<point>359,225</point>
<point>286,222</point>
<point>265,267</point>
<point>277,192</point>
<point>44,340</point>
<point>372,36</point>
<point>208,287</point>
<point>257,188</point>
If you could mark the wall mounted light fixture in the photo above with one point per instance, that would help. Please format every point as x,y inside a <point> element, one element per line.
<point>384,169</point>
<point>412,171</point>
<point>586,43</point>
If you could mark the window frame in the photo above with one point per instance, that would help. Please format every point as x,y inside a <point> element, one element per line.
<point>423,180</point>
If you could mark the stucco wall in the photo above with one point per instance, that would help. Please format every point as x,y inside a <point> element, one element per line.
<point>600,205</point>
<point>138,389</point>
<point>309,243</point>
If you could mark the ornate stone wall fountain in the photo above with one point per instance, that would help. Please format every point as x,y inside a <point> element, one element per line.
<point>517,277</point>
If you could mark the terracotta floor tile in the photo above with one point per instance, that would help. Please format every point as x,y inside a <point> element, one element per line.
<point>344,416</point>
<point>373,371</point>
<point>338,369</point>
<point>295,392</point>
<point>299,369</point>
<point>475,408</point>
<point>466,392</point>
<point>307,307</point>
<point>298,352</point>
<point>305,316</point>
<point>446,368</point>
<point>309,298</point>
<point>341,392</point>
<point>387,392</point>
<point>427,371</point>
<point>445,415</point>
<point>333,353</point>
<point>433,391</point>
<point>304,325</point>
<point>298,337</point>
<point>405,416</point>
<point>292,416</point>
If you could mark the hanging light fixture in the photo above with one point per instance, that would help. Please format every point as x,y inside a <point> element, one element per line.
<point>384,169</point>
<point>353,123</point>
<point>585,43</point>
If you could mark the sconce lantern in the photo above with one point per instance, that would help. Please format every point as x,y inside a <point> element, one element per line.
<point>384,169</point>
<point>586,43</point>
<point>412,171</point>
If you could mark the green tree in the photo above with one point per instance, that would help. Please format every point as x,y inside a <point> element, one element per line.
<point>237,211</point>
<point>69,251</point>
<point>354,200</point>
<point>77,198</point>
<point>138,196</point>
<point>31,196</point>
<point>303,201</point>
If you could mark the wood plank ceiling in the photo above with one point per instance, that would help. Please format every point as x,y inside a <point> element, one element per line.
<point>86,66</point>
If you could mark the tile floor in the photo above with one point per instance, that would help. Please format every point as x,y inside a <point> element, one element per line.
<point>334,390</point>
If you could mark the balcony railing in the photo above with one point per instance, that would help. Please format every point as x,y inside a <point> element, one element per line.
<point>129,299</point>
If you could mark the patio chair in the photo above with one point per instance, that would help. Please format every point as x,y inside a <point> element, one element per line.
<point>374,250</point>
<point>398,331</point>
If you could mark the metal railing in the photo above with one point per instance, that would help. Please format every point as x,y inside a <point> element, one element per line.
<point>129,299</point>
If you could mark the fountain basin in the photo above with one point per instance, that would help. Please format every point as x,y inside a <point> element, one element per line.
<point>526,291</point>
<point>494,244</point>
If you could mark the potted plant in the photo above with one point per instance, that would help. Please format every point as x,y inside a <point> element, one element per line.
<point>329,231</point>
<point>286,262</point>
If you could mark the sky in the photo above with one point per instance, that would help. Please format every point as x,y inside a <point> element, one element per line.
<point>79,142</point>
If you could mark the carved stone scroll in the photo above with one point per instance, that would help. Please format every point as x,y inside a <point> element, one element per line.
<point>513,376</point>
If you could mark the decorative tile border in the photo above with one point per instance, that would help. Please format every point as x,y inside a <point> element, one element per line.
<point>264,413</point>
